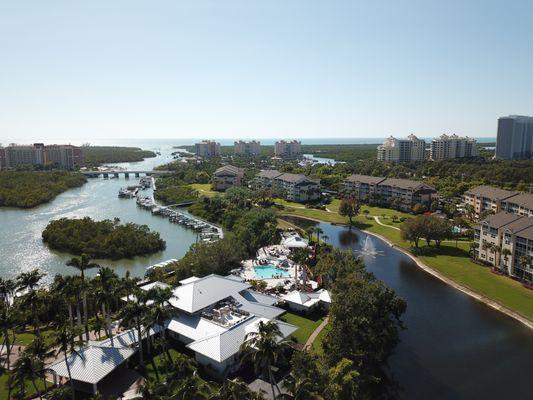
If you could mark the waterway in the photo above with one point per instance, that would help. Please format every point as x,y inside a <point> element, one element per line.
<point>454,347</point>
<point>22,249</point>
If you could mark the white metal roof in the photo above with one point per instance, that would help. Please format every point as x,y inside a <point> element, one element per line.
<point>189,280</point>
<point>301,298</point>
<point>219,347</point>
<point>203,292</point>
<point>194,327</point>
<point>92,363</point>
<point>295,242</point>
<point>257,297</point>
<point>127,338</point>
<point>259,309</point>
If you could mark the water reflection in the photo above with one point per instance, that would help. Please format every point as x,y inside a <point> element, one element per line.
<point>348,238</point>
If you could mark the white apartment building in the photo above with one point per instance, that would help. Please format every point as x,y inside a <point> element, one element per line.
<point>288,150</point>
<point>243,148</point>
<point>207,149</point>
<point>447,147</point>
<point>402,150</point>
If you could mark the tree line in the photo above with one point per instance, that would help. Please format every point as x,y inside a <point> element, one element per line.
<point>101,239</point>
<point>26,189</point>
<point>98,155</point>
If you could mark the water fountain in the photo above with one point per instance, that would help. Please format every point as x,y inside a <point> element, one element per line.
<point>368,248</point>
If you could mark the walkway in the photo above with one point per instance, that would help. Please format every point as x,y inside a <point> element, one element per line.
<point>376,218</point>
<point>315,333</point>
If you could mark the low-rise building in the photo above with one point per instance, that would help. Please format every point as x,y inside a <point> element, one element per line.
<point>307,302</point>
<point>207,149</point>
<point>402,150</point>
<point>294,187</point>
<point>288,149</point>
<point>401,193</point>
<point>243,148</point>
<point>447,147</point>
<point>520,204</point>
<point>486,198</point>
<point>502,240</point>
<point>226,177</point>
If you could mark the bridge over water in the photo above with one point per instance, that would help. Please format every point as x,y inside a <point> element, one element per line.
<point>126,173</point>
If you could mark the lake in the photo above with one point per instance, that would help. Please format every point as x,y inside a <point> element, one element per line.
<point>454,347</point>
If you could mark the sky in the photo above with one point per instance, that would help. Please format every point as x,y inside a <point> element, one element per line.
<point>83,70</point>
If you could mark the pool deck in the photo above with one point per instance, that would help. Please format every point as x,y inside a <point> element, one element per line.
<point>248,273</point>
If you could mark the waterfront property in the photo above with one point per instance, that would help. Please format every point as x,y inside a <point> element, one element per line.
<point>294,187</point>
<point>402,150</point>
<point>207,149</point>
<point>401,193</point>
<point>448,147</point>
<point>288,150</point>
<point>503,240</point>
<point>226,177</point>
<point>488,198</point>
<point>65,156</point>
<point>307,302</point>
<point>243,148</point>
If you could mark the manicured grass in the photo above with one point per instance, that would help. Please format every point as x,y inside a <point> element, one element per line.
<point>316,347</point>
<point>452,262</point>
<point>306,325</point>
<point>287,203</point>
<point>25,338</point>
<point>204,189</point>
<point>29,386</point>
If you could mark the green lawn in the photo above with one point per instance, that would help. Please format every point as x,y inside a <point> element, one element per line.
<point>287,203</point>
<point>316,347</point>
<point>306,325</point>
<point>25,338</point>
<point>204,189</point>
<point>158,360</point>
<point>29,386</point>
<point>452,262</point>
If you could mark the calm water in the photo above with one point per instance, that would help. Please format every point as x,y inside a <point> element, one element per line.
<point>454,347</point>
<point>22,248</point>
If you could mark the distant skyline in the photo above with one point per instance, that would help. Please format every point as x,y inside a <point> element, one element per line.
<point>182,70</point>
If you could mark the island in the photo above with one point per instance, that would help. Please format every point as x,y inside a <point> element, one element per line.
<point>101,239</point>
<point>26,189</point>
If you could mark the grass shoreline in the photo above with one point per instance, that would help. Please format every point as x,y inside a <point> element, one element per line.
<point>498,292</point>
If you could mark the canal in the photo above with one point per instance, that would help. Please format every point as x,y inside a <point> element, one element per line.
<point>454,347</point>
<point>22,248</point>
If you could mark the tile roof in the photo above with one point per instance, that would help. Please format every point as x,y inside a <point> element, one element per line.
<point>92,363</point>
<point>229,169</point>
<point>405,184</point>
<point>526,233</point>
<point>500,219</point>
<point>295,178</point>
<point>371,180</point>
<point>522,199</point>
<point>490,192</point>
<point>269,173</point>
<point>519,224</point>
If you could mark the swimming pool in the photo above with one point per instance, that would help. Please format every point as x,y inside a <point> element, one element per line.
<point>270,271</point>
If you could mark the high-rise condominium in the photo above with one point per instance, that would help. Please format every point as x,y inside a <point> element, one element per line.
<point>515,138</point>
<point>447,147</point>
<point>402,150</point>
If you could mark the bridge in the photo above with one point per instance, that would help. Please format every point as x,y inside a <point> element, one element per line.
<point>117,172</point>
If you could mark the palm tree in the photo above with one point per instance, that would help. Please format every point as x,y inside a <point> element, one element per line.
<point>318,232</point>
<point>159,313</point>
<point>27,367</point>
<point>265,348</point>
<point>299,389</point>
<point>7,290</point>
<point>131,316</point>
<point>42,351</point>
<point>8,322</point>
<point>29,281</point>
<point>105,296</point>
<point>82,263</point>
<point>233,389</point>
<point>65,342</point>
<point>525,262</point>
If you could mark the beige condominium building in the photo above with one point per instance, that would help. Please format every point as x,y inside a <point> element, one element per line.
<point>207,149</point>
<point>243,148</point>
<point>295,187</point>
<point>488,198</point>
<point>448,147</point>
<point>226,177</point>
<point>288,149</point>
<point>502,240</point>
<point>402,150</point>
<point>61,155</point>
<point>402,193</point>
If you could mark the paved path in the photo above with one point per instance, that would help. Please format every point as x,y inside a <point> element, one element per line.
<point>315,333</point>
<point>376,218</point>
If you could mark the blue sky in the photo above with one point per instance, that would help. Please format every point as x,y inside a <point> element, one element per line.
<point>76,70</point>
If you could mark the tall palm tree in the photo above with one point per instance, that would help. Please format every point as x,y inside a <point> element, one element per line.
<point>265,348</point>
<point>505,255</point>
<point>108,280</point>
<point>131,316</point>
<point>233,389</point>
<point>299,389</point>
<point>159,313</point>
<point>525,262</point>
<point>7,290</point>
<point>30,281</point>
<point>27,367</point>
<point>42,351</point>
<point>83,263</point>
<point>65,342</point>
<point>8,322</point>
<point>318,231</point>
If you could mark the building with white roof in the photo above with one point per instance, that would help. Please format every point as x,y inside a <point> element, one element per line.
<point>213,316</point>
<point>306,302</point>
